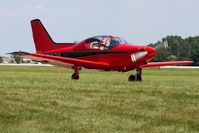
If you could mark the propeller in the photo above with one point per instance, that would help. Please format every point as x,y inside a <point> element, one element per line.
<point>138,55</point>
<point>163,44</point>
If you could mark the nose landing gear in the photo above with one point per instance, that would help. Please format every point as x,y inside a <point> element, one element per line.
<point>131,78</point>
<point>137,77</point>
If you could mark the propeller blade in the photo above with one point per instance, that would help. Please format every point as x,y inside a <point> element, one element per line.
<point>138,55</point>
<point>163,44</point>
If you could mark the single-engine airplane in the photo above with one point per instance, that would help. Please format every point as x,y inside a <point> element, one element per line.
<point>106,52</point>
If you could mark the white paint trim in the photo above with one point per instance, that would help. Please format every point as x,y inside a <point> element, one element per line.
<point>3,64</point>
<point>182,67</point>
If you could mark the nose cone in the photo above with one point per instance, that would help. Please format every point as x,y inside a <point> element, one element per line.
<point>151,51</point>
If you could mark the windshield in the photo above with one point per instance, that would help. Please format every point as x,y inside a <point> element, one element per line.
<point>108,41</point>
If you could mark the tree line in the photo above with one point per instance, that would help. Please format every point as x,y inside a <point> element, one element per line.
<point>178,49</point>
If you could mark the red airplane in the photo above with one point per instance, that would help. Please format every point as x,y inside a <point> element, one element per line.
<point>108,53</point>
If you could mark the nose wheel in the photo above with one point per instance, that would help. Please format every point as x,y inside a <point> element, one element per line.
<point>137,77</point>
<point>131,78</point>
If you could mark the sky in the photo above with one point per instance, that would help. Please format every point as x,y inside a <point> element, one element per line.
<point>138,21</point>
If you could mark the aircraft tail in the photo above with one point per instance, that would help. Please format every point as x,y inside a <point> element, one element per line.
<point>43,41</point>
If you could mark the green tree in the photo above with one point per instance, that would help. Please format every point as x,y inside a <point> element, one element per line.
<point>16,59</point>
<point>194,43</point>
<point>1,59</point>
<point>179,49</point>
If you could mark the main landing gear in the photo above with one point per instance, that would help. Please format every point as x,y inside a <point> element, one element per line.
<point>138,76</point>
<point>75,75</point>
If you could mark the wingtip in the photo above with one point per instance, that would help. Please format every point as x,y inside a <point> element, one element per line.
<point>8,53</point>
<point>18,53</point>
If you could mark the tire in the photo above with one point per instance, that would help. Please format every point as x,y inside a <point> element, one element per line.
<point>75,77</point>
<point>131,78</point>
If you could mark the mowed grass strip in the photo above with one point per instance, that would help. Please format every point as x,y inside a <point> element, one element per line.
<point>38,99</point>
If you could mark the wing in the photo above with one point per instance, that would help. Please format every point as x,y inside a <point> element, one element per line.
<point>62,61</point>
<point>157,64</point>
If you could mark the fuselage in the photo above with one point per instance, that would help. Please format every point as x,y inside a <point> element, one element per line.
<point>121,57</point>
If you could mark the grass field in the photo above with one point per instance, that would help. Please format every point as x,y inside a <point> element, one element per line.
<point>37,99</point>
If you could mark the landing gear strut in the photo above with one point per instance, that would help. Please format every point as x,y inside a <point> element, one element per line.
<point>75,75</point>
<point>138,76</point>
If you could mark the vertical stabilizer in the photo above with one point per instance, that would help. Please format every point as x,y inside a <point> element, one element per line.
<point>43,41</point>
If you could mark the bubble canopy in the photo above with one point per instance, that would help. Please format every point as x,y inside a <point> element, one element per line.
<point>108,41</point>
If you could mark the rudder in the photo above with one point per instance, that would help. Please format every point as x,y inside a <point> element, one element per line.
<point>43,41</point>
